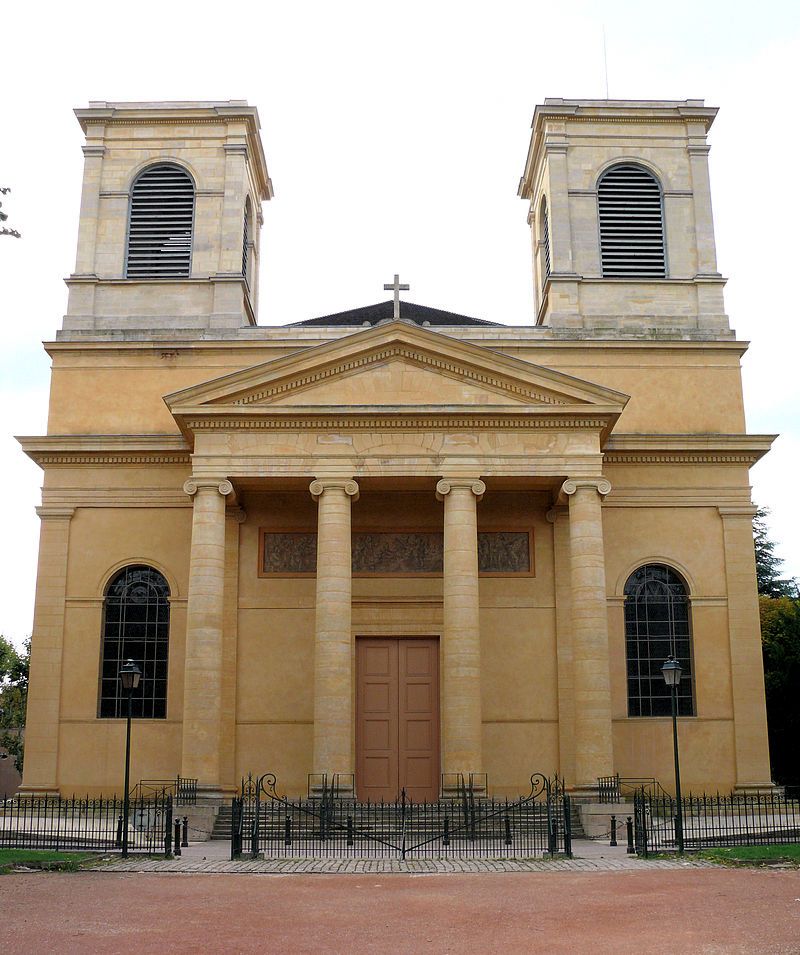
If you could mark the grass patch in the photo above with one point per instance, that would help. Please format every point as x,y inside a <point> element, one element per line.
<point>753,855</point>
<point>43,859</point>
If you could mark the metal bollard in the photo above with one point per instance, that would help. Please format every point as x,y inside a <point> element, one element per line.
<point>119,832</point>
<point>629,824</point>
<point>185,840</point>
<point>177,849</point>
<point>446,833</point>
<point>613,831</point>
<point>350,834</point>
<point>507,823</point>
<point>287,831</point>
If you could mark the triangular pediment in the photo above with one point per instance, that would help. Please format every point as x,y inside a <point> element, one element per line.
<point>393,365</point>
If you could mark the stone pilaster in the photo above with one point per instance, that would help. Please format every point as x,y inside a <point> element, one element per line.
<point>333,644</point>
<point>203,669</point>
<point>462,748</point>
<point>559,518</point>
<point>234,518</point>
<point>47,643</point>
<point>590,661</point>
<point>747,665</point>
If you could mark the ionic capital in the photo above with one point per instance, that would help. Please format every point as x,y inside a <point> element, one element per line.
<point>571,485</point>
<point>194,484</point>
<point>556,512</point>
<point>320,485</point>
<point>446,485</point>
<point>237,515</point>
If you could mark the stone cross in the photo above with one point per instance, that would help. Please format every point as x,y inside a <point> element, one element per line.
<point>397,288</point>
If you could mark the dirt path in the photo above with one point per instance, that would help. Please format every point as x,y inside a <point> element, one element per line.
<point>691,911</point>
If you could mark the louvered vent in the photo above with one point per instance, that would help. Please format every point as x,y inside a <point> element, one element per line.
<point>245,240</point>
<point>160,229</point>
<point>546,239</point>
<point>631,223</point>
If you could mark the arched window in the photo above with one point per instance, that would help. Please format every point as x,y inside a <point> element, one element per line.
<point>631,223</point>
<point>545,242</point>
<point>657,624</point>
<point>136,627</point>
<point>161,223</point>
<point>246,241</point>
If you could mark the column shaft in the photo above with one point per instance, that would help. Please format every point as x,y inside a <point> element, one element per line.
<point>592,685</point>
<point>333,645</point>
<point>462,745</point>
<point>202,695</point>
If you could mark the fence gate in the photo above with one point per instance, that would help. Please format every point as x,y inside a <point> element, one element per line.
<point>465,826</point>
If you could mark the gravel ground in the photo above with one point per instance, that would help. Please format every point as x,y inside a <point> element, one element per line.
<point>689,910</point>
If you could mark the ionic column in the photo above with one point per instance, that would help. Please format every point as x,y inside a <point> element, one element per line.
<point>462,748</point>
<point>559,518</point>
<point>202,693</point>
<point>47,645</point>
<point>747,664</point>
<point>333,643</point>
<point>593,745</point>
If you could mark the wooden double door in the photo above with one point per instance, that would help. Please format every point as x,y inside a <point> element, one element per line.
<point>397,718</point>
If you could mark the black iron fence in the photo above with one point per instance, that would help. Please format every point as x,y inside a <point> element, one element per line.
<point>734,820</point>
<point>52,822</point>
<point>620,788</point>
<point>182,790</point>
<point>467,826</point>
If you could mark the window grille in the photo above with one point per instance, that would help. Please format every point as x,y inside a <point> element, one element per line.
<point>657,624</point>
<point>135,627</point>
<point>545,238</point>
<point>161,223</point>
<point>245,241</point>
<point>631,223</point>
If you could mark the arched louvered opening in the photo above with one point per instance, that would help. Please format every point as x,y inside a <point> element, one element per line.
<point>161,223</point>
<point>657,625</point>
<point>631,223</point>
<point>545,241</point>
<point>135,627</point>
<point>246,240</point>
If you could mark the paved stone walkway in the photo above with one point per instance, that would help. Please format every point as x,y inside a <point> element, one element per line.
<point>212,857</point>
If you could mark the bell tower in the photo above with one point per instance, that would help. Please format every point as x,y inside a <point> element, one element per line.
<point>170,219</point>
<point>621,224</point>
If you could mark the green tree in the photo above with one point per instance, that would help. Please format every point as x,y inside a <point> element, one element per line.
<point>780,637</point>
<point>14,667</point>
<point>770,583</point>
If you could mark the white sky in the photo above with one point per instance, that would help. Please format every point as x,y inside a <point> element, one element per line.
<point>395,135</point>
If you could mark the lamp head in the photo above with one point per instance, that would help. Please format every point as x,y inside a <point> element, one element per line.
<point>671,671</point>
<point>130,675</point>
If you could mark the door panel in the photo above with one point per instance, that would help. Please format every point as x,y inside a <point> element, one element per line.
<point>376,731</point>
<point>397,729</point>
<point>419,718</point>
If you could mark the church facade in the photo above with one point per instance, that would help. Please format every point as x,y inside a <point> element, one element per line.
<point>396,544</point>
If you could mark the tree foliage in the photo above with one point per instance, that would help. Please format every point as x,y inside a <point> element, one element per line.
<point>14,667</point>
<point>780,636</point>
<point>768,564</point>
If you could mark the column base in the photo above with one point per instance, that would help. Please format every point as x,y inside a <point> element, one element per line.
<point>37,792</point>
<point>756,789</point>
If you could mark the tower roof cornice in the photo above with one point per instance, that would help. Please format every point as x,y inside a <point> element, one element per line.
<point>198,112</point>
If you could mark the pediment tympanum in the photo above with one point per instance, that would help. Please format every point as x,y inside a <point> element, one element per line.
<point>393,366</point>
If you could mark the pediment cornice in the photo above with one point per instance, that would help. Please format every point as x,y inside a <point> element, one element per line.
<point>493,382</point>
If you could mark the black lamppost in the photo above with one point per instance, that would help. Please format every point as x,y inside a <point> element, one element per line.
<point>129,675</point>
<point>671,672</point>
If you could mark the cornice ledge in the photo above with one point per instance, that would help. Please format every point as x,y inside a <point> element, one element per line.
<point>83,449</point>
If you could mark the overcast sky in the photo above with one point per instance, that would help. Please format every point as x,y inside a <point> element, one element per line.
<point>395,136</point>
